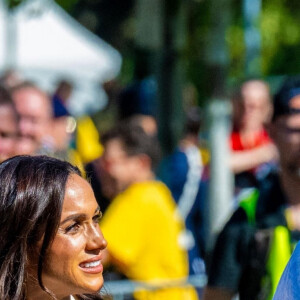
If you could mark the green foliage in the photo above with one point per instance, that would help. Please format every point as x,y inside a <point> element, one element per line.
<point>234,38</point>
<point>11,4</point>
<point>197,31</point>
<point>67,4</point>
<point>279,25</point>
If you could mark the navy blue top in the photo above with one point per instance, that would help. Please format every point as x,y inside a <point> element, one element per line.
<point>59,108</point>
<point>173,173</point>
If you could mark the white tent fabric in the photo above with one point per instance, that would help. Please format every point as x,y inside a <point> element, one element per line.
<point>2,35</point>
<point>46,44</point>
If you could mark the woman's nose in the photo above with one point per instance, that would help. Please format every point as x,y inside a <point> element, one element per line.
<point>95,238</point>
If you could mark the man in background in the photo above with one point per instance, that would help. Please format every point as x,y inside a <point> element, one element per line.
<point>252,250</point>
<point>253,153</point>
<point>35,110</point>
<point>141,224</point>
<point>185,172</point>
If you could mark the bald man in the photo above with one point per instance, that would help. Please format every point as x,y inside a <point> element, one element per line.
<point>252,150</point>
<point>35,110</point>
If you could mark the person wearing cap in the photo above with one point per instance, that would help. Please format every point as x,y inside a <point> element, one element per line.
<point>255,245</point>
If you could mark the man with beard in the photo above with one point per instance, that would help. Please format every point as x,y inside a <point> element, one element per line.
<point>256,243</point>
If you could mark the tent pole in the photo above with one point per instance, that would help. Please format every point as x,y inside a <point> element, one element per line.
<point>219,203</point>
<point>11,40</point>
<point>251,13</point>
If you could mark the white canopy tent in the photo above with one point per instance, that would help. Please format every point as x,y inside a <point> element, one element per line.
<point>45,44</point>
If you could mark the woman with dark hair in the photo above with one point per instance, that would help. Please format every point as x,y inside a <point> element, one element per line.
<point>51,245</point>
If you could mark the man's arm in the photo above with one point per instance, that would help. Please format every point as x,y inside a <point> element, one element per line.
<point>241,161</point>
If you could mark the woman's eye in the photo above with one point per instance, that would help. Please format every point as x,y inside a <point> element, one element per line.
<point>73,228</point>
<point>97,217</point>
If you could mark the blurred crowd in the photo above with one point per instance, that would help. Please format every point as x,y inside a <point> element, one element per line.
<point>153,206</point>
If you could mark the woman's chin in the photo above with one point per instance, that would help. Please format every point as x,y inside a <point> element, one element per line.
<point>94,287</point>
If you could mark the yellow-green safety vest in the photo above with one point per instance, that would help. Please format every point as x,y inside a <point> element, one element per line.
<point>280,249</point>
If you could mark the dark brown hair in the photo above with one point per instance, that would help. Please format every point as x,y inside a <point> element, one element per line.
<point>134,140</point>
<point>32,190</point>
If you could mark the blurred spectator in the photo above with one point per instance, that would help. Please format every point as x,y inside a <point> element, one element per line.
<point>63,129</point>
<point>256,243</point>
<point>9,127</point>
<point>103,184</point>
<point>40,131</point>
<point>141,224</point>
<point>35,110</point>
<point>64,125</point>
<point>186,174</point>
<point>107,117</point>
<point>253,153</point>
<point>61,97</point>
<point>10,78</point>
<point>147,122</point>
<point>77,139</point>
<point>87,139</point>
<point>138,98</point>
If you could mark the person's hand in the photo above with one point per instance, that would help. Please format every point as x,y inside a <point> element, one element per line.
<point>245,160</point>
<point>267,153</point>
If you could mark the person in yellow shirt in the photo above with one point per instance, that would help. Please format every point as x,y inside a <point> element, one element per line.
<point>141,224</point>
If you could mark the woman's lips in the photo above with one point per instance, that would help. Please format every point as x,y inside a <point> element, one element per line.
<point>92,266</point>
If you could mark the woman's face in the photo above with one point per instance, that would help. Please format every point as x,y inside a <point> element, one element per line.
<point>73,264</point>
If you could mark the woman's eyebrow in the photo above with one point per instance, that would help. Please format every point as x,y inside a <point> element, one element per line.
<point>78,216</point>
<point>74,217</point>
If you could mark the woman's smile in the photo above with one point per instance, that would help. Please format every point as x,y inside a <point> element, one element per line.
<point>92,265</point>
<point>74,259</point>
